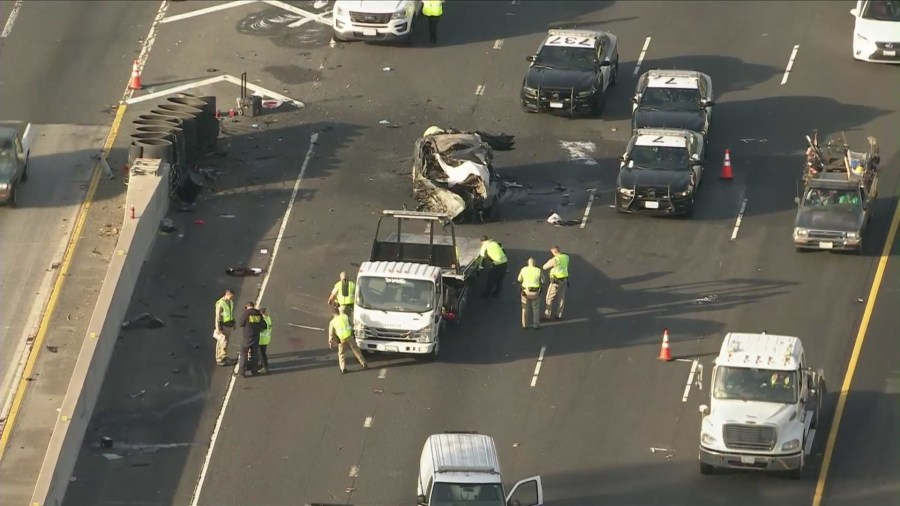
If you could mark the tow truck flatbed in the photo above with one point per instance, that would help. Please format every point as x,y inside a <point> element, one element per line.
<point>467,249</point>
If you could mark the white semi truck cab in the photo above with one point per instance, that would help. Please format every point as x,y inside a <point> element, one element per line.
<point>764,408</point>
<point>464,468</point>
<point>417,279</point>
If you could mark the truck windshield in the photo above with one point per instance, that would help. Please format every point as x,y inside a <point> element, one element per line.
<point>839,199</point>
<point>466,494</point>
<point>396,294</point>
<point>761,385</point>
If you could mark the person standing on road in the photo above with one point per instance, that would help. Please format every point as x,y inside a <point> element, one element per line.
<point>531,278</point>
<point>559,281</point>
<point>343,294</point>
<point>224,323</point>
<point>265,337</point>
<point>433,9</point>
<point>341,329</point>
<point>493,251</point>
<point>252,322</point>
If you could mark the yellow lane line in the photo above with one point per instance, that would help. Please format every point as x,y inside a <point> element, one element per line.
<point>854,359</point>
<point>58,285</point>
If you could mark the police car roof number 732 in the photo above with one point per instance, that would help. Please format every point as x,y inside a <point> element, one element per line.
<point>571,41</point>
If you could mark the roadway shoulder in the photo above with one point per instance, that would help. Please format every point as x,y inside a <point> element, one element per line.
<point>58,352</point>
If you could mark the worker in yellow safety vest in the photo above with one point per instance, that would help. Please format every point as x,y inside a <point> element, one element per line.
<point>343,293</point>
<point>493,251</point>
<point>558,265</point>
<point>433,9</point>
<point>531,278</point>
<point>341,329</point>
<point>265,337</point>
<point>223,323</point>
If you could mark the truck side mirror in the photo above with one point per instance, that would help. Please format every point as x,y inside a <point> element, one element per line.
<point>422,501</point>
<point>704,409</point>
<point>635,99</point>
<point>854,12</point>
<point>797,200</point>
<point>621,158</point>
<point>708,103</point>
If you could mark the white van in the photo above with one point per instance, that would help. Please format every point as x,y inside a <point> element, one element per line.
<point>876,31</point>
<point>374,20</point>
<point>463,468</point>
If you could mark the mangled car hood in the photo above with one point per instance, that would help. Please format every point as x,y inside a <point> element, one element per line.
<point>453,173</point>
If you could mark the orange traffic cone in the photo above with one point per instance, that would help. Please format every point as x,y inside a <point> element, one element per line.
<point>726,167</point>
<point>135,83</point>
<point>665,353</point>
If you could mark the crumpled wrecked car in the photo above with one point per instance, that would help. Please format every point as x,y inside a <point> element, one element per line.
<point>453,173</point>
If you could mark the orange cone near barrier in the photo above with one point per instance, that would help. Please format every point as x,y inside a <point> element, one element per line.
<point>726,167</point>
<point>135,83</point>
<point>665,353</point>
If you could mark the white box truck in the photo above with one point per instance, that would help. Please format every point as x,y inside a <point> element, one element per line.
<point>765,406</point>
<point>464,468</point>
<point>413,284</point>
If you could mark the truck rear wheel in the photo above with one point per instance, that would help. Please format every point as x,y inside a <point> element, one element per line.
<point>706,469</point>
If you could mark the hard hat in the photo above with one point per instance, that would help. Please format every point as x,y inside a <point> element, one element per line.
<point>432,130</point>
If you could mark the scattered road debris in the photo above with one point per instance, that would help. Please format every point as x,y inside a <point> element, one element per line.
<point>243,271</point>
<point>167,226</point>
<point>138,394</point>
<point>707,299</point>
<point>144,320</point>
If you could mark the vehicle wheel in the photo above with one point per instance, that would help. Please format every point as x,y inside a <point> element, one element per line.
<point>13,196</point>
<point>337,38</point>
<point>706,469</point>
<point>820,392</point>
<point>690,211</point>
<point>615,75</point>
<point>599,104</point>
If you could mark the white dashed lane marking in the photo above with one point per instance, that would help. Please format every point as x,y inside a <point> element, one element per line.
<point>740,218</point>
<point>587,210</point>
<point>640,60</point>
<point>690,381</point>
<point>479,90</point>
<point>368,423</point>
<point>498,44</point>
<point>382,373</point>
<point>790,65</point>
<point>537,367</point>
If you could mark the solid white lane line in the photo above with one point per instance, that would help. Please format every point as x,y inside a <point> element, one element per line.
<point>368,423</point>
<point>587,210</point>
<point>690,381</point>
<point>262,290</point>
<point>148,44</point>
<point>740,218</point>
<point>640,60</point>
<point>479,90</point>
<point>790,65</point>
<point>7,28</point>
<point>382,373</point>
<point>207,10</point>
<point>176,89</point>
<point>537,367</point>
<point>498,44</point>
<point>354,471</point>
<point>320,18</point>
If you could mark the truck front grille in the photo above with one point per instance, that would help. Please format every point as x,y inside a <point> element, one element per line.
<point>739,436</point>
<point>368,18</point>
<point>388,334</point>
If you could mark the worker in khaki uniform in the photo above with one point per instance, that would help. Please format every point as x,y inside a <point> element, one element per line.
<point>343,294</point>
<point>223,324</point>
<point>531,278</point>
<point>558,265</point>
<point>341,329</point>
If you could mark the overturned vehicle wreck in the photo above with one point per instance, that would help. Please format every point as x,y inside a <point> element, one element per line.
<point>453,173</point>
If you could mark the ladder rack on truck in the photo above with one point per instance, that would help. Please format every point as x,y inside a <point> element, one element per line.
<point>456,256</point>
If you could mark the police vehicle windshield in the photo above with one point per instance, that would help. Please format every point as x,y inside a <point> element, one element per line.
<point>567,58</point>
<point>761,385</point>
<point>671,99</point>
<point>836,199</point>
<point>396,294</point>
<point>659,158</point>
<point>466,494</point>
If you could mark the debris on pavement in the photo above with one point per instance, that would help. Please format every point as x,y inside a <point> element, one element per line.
<point>706,299</point>
<point>384,122</point>
<point>386,69</point>
<point>111,456</point>
<point>52,349</point>
<point>167,226</point>
<point>226,216</point>
<point>144,320</point>
<point>138,394</point>
<point>244,271</point>
<point>556,220</point>
<point>199,222</point>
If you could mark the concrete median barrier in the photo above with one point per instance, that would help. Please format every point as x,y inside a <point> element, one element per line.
<point>148,192</point>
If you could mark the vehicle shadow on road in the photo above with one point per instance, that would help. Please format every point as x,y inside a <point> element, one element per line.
<point>727,72</point>
<point>601,313</point>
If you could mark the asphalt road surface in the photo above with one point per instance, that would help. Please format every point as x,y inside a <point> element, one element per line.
<point>601,402</point>
<point>61,65</point>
